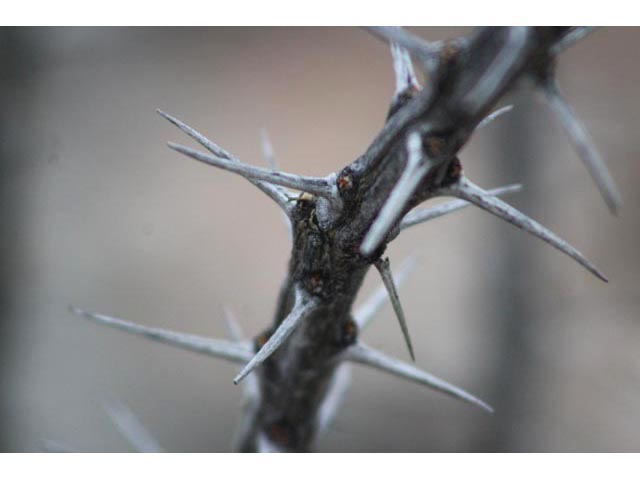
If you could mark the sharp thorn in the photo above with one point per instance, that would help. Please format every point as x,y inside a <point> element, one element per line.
<point>197,136</point>
<point>499,72</point>
<point>409,180</point>
<point>233,327</point>
<point>426,52</point>
<point>273,191</point>
<point>574,36</point>
<point>368,356</point>
<point>494,115</point>
<point>267,150</point>
<point>470,192</point>
<point>403,68</point>
<point>333,400</point>
<point>303,305</point>
<point>584,146</point>
<point>387,279</point>
<point>367,311</point>
<point>194,343</point>
<point>313,185</point>
<point>131,428</point>
<point>423,215</point>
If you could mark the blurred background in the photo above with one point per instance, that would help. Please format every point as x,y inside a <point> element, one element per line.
<point>97,212</point>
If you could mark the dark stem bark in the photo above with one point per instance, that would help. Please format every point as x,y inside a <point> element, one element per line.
<point>326,262</point>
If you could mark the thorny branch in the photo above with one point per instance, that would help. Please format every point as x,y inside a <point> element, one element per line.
<point>295,372</point>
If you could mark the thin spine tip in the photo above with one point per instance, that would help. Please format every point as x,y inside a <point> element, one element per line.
<point>470,192</point>
<point>182,149</point>
<point>600,275</point>
<point>165,115</point>
<point>486,407</point>
<point>615,206</point>
<point>76,310</point>
<point>243,373</point>
<point>365,355</point>
<point>302,306</point>
<point>494,115</point>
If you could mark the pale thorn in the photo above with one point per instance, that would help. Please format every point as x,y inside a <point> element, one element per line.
<point>131,428</point>
<point>494,115</point>
<point>387,279</point>
<point>303,305</point>
<point>574,36</point>
<point>584,146</point>
<point>415,217</point>
<point>197,136</point>
<point>209,346</point>
<point>368,310</point>
<point>315,185</point>
<point>427,52</point>
<point>333,400</point>
<point>498,71</point>
<point>287,223</point>
<point>470,192</point>
<point>403,69</point>
<point>267,150</point>
<point>233,327</point>
<point>370,357</point>
<point>250,404</point>
<point>270,158</point>
<point>414,171</point>
<point>245,428</point>
<point>272,191</point>
<point>265,445</point>
<point>251,389</point>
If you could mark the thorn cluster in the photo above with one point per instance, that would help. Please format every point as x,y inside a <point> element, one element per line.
<point>341,224</point>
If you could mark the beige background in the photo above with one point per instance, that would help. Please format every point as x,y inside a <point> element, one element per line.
<point>106,217</point>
